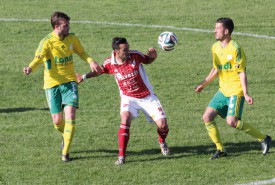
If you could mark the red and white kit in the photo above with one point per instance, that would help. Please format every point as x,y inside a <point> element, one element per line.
<point>136,92</point>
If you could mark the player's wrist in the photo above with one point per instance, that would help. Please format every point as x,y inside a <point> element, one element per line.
<point>246,94</point>
<point>84,77</point>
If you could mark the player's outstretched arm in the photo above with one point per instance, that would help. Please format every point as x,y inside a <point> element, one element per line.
<point>152,55</point>
<point>80,78</point>
<point>95,67</point>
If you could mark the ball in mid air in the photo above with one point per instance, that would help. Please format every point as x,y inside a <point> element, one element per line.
<point>167,40</point>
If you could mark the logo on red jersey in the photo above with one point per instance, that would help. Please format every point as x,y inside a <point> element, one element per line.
<point>128,75</point>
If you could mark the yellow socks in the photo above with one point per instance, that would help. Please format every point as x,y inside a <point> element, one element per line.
<point>68,135</point>
<point>214,134</point>
<point>60,127</point>
<point>250,130</point>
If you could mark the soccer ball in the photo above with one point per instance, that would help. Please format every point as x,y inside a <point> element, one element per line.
<point>167,40</point>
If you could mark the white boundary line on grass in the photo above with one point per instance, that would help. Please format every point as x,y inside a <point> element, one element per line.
<point>260,182</point>
<point>139,25</point>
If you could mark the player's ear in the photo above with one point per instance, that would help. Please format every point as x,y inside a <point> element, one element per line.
<point>56,26</point>
<point>226,31</point>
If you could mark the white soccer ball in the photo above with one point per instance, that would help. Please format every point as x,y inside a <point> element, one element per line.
<point>167,40</point>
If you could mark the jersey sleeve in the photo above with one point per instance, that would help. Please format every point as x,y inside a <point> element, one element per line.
<point>144,59</point>
<point>79,50</point>
<point>240,60</point>
<point>107,66</point>
<point>40,54</point>
<point>139,57</point>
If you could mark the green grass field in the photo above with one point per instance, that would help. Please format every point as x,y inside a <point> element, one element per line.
<point>30,146</point>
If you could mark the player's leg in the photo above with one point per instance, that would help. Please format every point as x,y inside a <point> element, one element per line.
<point>123,136</point>
<point>70,103</point>
<point>155,113</point>
<point>58,122</point>
<point>234,120</point>
<point>69,130</point>
<point>128,111</point>
<point>217,106</point>
<point>213,132</point>
<point>54,100</point>
<point>163,130</point>
<point>264,139</point>
<point>246,127</point>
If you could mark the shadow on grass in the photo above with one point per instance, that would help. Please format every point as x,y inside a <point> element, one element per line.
<point>233,149</point>
<point>21,109</point>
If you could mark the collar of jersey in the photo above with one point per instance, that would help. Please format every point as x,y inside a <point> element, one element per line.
<point>56,36</point>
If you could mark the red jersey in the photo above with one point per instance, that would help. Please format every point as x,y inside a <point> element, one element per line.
<point>130,76</point>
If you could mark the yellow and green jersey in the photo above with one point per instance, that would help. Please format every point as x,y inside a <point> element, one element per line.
<point>57,56</point>
<point>229,61</point>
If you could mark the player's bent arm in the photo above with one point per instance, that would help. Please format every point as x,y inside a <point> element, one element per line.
<point>37,61</point>
<point>81,78</point>
<point>149,61</point>
<point>79,50</point>
<point>40,53</point>
<point>96,67</point>
<point>92,74</point>
<point>211,76</point>
<point>151,55</point>
<point>93,65</point>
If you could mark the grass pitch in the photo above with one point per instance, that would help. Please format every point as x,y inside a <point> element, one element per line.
<point>29,145</point>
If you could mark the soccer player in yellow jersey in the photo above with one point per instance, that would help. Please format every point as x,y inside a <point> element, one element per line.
<point>55,51</point>
<point>229,64</point>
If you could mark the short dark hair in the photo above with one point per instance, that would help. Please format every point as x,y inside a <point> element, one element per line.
<point>227,23</point>
<point>118,40</point>
<point>56,16</point>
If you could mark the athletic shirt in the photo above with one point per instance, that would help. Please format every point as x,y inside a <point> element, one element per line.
<point>130,76</point>
<point>57,56</point>
<point>229,61</point>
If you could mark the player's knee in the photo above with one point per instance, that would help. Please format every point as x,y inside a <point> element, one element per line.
<point>231,123</point>
<point>166,126</point>
<point>125,121</point>
<point>206,118</point>
<point>163,127</point>
<point>126,118</point>
<point>162,124</point>
<point>57,120</point>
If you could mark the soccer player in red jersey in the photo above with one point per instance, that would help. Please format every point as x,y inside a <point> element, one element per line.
<point>136,92</point>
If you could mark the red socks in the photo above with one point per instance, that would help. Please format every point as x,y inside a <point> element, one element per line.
<point>123,138</point>
<point>124,135</point>
<point>162,134</point>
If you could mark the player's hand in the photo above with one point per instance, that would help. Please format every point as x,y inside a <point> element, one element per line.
<point>152,53</point>
<point>198,88</point>
<point>95,67</point>
<point>27,70</point>
<point>248,99</point>
<point>79,78</point>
